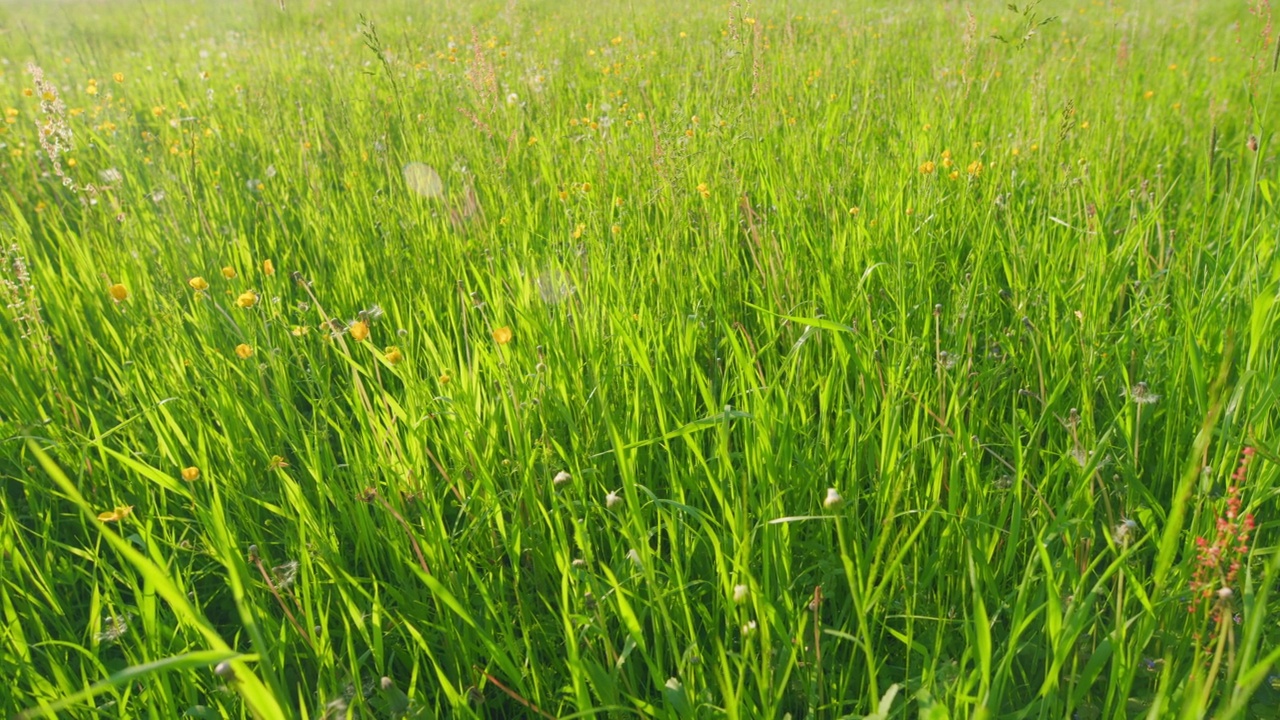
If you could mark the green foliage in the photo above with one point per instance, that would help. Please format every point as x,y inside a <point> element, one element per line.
<point>672,361</point>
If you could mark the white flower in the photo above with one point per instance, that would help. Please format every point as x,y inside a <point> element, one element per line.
<point>612,499</point>
<point>740,593</point>
<point>513,99</point>
<point>561,478</point>
<point>1225,593</point>
<point>748,628</point>
<point>833,499</point>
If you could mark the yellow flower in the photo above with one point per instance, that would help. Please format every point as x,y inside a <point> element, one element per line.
<point>955,174</point>
<point>244,351</point>
<point>359,330</point>
<point>158,110</point>
<point>927,167</point>
<point>228,272</point>
<point>198,283</point>
<point>975,168</point>
<point>276,463</point>
<point>502,335</point>
<point>28,92</point>
<point>72,162</point>
<point>247,299</point>
<point>191,474</point>
<point>533,141</point>
<point>577,232</point>
<point>119,513</point>
<point>300,330</point>
<point>393,355</point>
<point>615,229</point>
<point>586,187</point>
<point>92,89</point>
<point>118,292</point>
<point>118,77</point>
<point>268,267</point>
<point>703,190</point>
<point>444,378</point>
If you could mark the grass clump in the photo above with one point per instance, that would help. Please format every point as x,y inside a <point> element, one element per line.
<point>498,360</point>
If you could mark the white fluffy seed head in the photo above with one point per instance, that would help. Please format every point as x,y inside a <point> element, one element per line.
<point>561,478</point>
<point>740,593</point>
<point>833,499</point>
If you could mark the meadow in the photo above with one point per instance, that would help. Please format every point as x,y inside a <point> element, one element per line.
<point>649,359</point>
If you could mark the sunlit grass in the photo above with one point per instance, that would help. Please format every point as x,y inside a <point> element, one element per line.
<point>498,360</point>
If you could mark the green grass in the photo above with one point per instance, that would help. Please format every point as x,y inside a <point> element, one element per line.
<point>730,284</point>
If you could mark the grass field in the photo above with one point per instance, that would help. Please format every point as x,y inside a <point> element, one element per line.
<point>647,359</point>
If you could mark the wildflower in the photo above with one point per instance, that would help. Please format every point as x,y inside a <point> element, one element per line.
<point>244,352</point>
<point>854,210</point>
<point>1142,395</point>
<point>748,628</point>
<point>118,77</point>
<point>276,462</point>
<point>228,272</point>
<point>198,284</point>
<point>116,514</point>
<point>268,268</point>
<point>612,499</point>
<point>955,175</point>
<point>502,335</point>
<point>191,474</point>
<point>444,378</point>
<point>247,299</point>
<point>927,167</point>
<point>393,355</point>
<point>975,168</point>
<point>359,330</point>
<point>1218,562</point>
<point>119,292</point>
<point>114,628</point>
<point>833,499</point>
<point>300,330</point>
<point>703,190</point>
<point>740,593</point>
<point>561,478</point>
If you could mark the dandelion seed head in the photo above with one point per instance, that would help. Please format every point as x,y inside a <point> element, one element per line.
<point>833,499</point>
